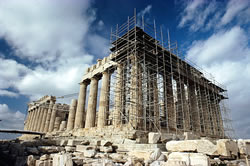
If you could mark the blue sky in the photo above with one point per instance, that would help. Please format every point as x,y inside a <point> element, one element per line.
<point>45,46</point>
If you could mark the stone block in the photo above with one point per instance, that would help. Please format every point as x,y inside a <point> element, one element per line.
<point>153,138</point>
<point>63,142</point>
<point>31,160</point>
<point>44,163</point>
<point>62,160</point>
<point>118,158</point>
<point>129,141</point>
<point>244,146</point>
<point>106,143</point>
<point>70,148</point>
<point>82,148</point>
<point>44,157</point>
<point>227,147</point>
<point>140,154</point>
<point>174,163</point>
<point>85,142</point>
<point>89,153</point>
<point>95,142</point>
<point>50,149</point>
<point>200,146</point>
<point>106,149</point>
<point>191,159</point>
<point>155,154</point>
<point>73,142</point>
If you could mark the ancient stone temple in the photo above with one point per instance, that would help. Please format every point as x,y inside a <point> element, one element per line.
<point>149,88</point>
<point>145,85</point>
<point>44,115</point>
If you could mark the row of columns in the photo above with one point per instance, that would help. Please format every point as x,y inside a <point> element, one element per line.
<point>80,119</point>
<point>44,118</point>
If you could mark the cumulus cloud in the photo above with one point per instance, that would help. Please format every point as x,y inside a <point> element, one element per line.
<point>10,73</point>
<point>11,119</point>
<point>53,37</point>
<point>8,93</point>
<point>41,29</point>
<point>226,55</point>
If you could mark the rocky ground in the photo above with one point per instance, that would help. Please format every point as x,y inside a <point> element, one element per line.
<point>70,151</point>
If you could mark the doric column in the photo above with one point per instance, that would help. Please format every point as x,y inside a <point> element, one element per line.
<point>52,118</point>
<point>156,103</point>
<point>118,96</point>
<point>194,109</point>
<point>185,108</point>
<point>80,111</point>
<point>33,119</point>
<point>62,126</point>
<point>180,107</point>
<point>104,99</point>
<point>57,123</point>
<point>171,116</point>
<point>45,110</point>
<point>205,110</point>
<point>47,122</point>
<point>27,120</point>
<point>72,114</point>
<point>40,117</point>
<point>91,111</point>
<point>37,118</point>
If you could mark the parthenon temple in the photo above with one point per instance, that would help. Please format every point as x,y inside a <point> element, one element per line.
<point>144,84</point>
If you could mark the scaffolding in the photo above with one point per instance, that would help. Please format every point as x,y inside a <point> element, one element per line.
<point>149,85</point>
<point>160,90</point>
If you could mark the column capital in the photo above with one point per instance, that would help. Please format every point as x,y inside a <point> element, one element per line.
<point>85,82</point>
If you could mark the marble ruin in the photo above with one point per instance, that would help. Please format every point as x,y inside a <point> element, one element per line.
<point>144,86</point>
<point>144,104</point>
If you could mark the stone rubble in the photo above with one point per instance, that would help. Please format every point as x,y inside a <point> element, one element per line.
<point>77,151</point>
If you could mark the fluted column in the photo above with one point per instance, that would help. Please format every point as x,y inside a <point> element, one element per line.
<point>62,126</point>
<point>57,123</point>
<point>195,121</point>
<point>72,114</point>
<point>36,119</point>
<point>47,122</point>
<point>156,104</point>
<point>40,118</point>
<point>52,118</point>
<point>118,96</point>
<point>27,120</point>
<point>33,119</point>
<point>104,99</point>
<point>171,116</point>
<point>135,109</point>
<point>91,111</point>
<point>40,110</point>
<point>45,110</point>
<point>80,111</point>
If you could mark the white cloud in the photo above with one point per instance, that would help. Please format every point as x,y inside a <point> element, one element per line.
<point>146,10</point>
<point>226,55</point>
<point>45,30</point>
<point>11,119</point>
<point>234,7</point>
<point>190,11</point>
<point>11,72</point>
<point>52,36</point>
<point>205,15</point>
<point>8,93</point>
